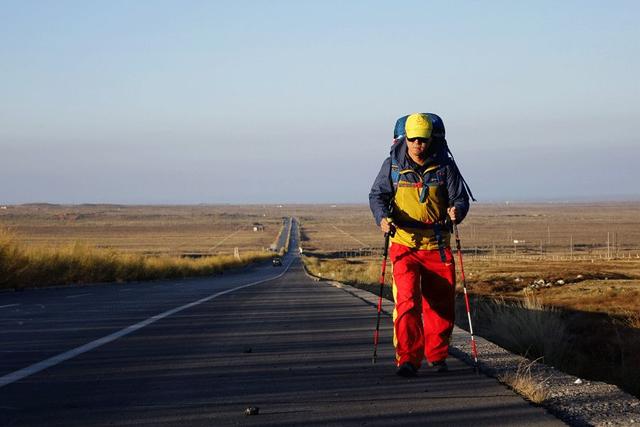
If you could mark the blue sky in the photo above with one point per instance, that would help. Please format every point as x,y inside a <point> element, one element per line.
<point>260,102</point>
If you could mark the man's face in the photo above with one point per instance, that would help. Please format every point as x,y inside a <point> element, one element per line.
<point>418,146</point>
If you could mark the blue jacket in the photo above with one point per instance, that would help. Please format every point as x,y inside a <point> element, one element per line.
<point>421,197</point>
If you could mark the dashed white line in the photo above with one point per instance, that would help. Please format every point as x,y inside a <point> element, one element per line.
<point>55,360</point>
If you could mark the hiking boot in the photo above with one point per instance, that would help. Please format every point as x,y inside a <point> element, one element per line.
<point>407,370</point>
<point>439,366</point>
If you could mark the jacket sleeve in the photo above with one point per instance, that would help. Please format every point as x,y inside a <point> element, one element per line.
<point>381,192</point>
<point>458,195</point>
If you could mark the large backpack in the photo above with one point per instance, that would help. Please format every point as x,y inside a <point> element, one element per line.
<point>437,133</point>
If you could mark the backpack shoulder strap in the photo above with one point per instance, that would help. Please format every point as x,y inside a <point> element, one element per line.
<point>455,166</point>
<point>395,173</point>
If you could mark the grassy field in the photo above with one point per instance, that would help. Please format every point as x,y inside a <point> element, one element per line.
<point>43,245</point>
<point>592,281</point>
<point>553,229</point>
<point>157,230</point>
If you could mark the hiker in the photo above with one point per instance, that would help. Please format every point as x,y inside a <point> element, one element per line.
<point>417,191</point>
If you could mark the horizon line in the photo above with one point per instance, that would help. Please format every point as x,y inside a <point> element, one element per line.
<point>294,203</point>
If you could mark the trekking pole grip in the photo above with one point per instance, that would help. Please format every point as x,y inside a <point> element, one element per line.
<point>386,243</point>
<point>454,226</point>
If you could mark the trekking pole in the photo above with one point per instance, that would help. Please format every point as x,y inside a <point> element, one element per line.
<point>474,350</point>
<point>384,267</point>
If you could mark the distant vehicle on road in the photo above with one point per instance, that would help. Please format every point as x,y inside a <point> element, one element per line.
<point>276,261</point>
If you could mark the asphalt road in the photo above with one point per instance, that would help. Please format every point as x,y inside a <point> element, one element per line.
<point>266,337</point>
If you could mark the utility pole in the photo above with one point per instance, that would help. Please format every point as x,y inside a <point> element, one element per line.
<point>608,249</point>
<point>618,246</point>
<point>571,246</point>
<point>548,235</point>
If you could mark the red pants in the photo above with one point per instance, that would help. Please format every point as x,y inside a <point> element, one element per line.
<point>424,294</point>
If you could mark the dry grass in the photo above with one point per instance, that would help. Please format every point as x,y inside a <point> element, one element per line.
<point>602,286</point>
<point>150,230</point>
<point>633,319</point>
<point>525,327</point>
<point>343,270</point>
<point>588,345</point>
<point>22,266</point>
<point>610,287</point>
<point>525,383</point>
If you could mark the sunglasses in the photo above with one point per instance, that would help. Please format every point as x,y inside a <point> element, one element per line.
<point>419,140</point>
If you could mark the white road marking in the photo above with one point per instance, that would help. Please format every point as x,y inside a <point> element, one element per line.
<point>77,296</point>
<point>55,360</point>
<point>9,305</point>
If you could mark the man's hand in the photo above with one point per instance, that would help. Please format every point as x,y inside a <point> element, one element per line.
<point>452,214</point>
<point>386,225</point>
